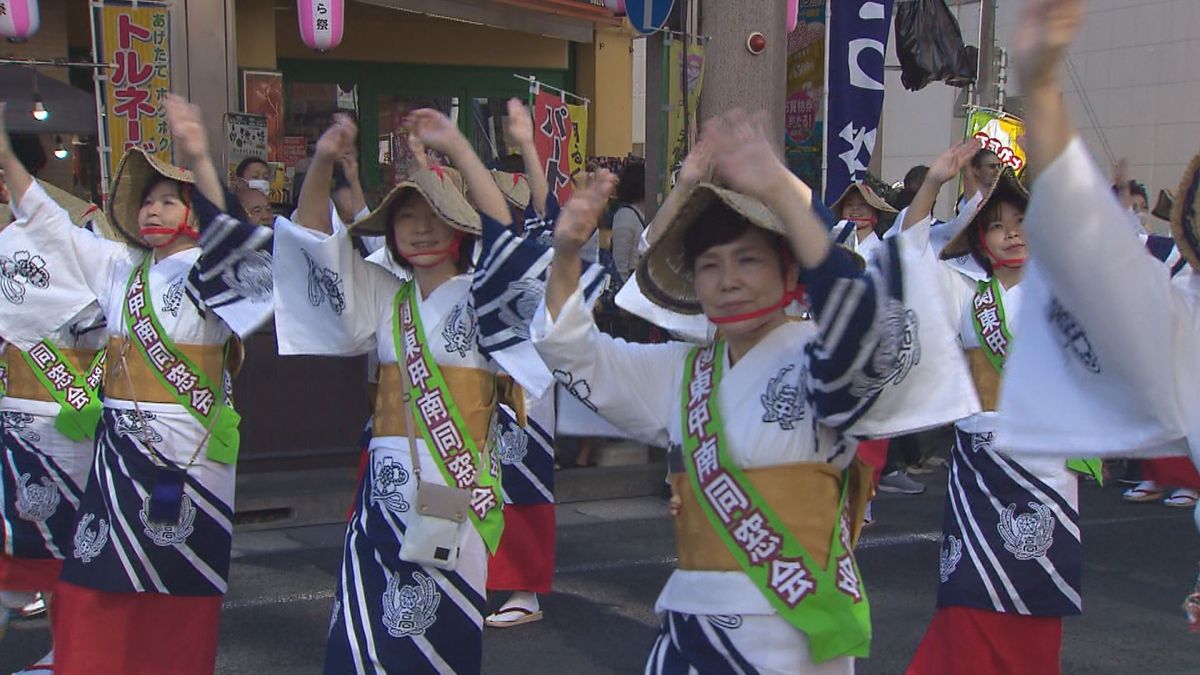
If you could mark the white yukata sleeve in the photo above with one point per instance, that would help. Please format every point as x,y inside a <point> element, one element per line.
<point>1089,372</point>
<point>633,386</point>
<point>233,275</point>
<point>49,269</point>
<point>327,298</point>
<point>931,385</point>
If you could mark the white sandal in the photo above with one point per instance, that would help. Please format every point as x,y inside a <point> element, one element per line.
<point>499,618</point>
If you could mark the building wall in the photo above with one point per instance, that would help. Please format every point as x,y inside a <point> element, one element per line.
<point>387,35</point>
<point>1138,91</point>
<point>255,28</point>
<point>604,74</point>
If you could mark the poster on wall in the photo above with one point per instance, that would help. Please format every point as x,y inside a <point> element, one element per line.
<point>137,39</point>
<point>552,131</point>
<point>245,137</point>
<point>681,127</point>
<point>803,113</point>
<point>262,94</point>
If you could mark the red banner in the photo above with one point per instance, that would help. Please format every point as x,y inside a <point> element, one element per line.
<point>552,135</point>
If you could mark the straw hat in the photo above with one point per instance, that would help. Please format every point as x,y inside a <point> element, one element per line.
<point>136,170</point>
<point>442,187</point>
<point>1184,227</point>
<point>662,275</point>
<point>1007,186</point>
<point>1163,205</point>
<point>873,200</point>
<point>514,186</point>
<point>81,211</point>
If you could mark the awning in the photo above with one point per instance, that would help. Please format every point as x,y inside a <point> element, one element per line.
<point>72,111</point>
<point>573,20</point>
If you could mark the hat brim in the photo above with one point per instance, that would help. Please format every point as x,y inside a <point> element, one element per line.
<point>1184,227</point>
<point>870,196</point>
<point>1164,205</point>
<point>1006,187</point>
<point>436,188</point>
<point>135,171</point>
<point>81,211</point>
<point>514,187</point>
<point>662,274</point>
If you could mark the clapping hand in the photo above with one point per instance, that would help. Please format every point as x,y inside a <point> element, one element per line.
<point>744,158</point>
<point>338,139</point>
<point>520,124</point>
<point>952,161</point>
<point>436,131</point>
<point>1046,29</point>
<point>187,129</point>
<point>581,215</point>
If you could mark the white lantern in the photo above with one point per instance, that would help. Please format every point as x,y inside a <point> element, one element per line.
<point>321,23</point>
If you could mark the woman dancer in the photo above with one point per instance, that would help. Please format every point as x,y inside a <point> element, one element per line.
<point>141,589</point>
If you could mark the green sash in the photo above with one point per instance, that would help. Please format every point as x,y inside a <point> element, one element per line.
<point>3,376</point>
<point>991,327</point>
<point>440,423</point>
<point>177,373</point>
<point>77,394</point>
<point>828,604</point>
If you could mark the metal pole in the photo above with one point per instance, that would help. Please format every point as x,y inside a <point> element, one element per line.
<point>986,91</point>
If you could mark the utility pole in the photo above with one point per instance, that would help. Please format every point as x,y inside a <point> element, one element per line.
<point>985,87</point>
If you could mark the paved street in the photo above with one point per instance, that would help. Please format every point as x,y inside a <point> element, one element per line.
<point>615,555</point>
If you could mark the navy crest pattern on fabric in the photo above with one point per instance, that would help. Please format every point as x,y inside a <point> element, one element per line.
<point>460,331</point>
<point>38,492</point>
<point>1072,337</point>
<point>21,270</point>
<point>232,266</point>
<point>580,388</point>
<point>118,551</point>
<point>785,403</point>
<point>697,644</point>
<point>324,284</point>
<point>525,457</point>
<point>1011,543</point>
<point>396,617</point>
<point>173,297</point>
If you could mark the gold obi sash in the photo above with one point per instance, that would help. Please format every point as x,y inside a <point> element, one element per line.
<point>804,495</point>
<point>475,392</point>
<point>23,383</point>
<point>986,378</point>
<point>146,387</point>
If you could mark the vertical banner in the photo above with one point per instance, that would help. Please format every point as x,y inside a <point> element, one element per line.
<point>137,39</point>
<point>262,94</point>
<point>804,114</point>
<point>681,129</point>
<point>552,135</point>
<point>858,33</point>
<point>579,132</point>
<point>1000,133</point>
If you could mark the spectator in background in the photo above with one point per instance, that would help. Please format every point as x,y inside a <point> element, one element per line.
<point>256,206</point>
<point>912,183</point>
<point>629,220</point>
<point>253,173</point>
<point>985,166</point>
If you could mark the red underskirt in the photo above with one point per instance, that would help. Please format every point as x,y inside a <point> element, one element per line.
<point>874,453</point>
<point>981,642</point>
<point>524,561</point>
<point>26,574</point>
<point>1176,472</point>
<point>97,633</point>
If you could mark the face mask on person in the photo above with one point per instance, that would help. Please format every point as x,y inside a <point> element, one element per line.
<point>259,184</point>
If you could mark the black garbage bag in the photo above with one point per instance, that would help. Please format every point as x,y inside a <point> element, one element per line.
<point>930,46</point>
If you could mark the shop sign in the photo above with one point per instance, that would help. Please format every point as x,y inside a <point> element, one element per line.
<point>136,39</point>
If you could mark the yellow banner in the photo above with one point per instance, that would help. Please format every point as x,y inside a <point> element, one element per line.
<point>579,120</point>
<point>680,134</point>
<point>1002,134</point>
<point>138,42</point>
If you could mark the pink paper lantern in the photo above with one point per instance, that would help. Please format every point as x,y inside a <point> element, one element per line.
<point>321,23</point>
<point>793,15</point>
<point>617,7</point>
<point>21,21</point>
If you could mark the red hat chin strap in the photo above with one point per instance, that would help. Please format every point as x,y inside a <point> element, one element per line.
<point>183,229</point>
<point>794,295</point>
<point>864,223</point>
<point>997,260</point>
<point>442,254</point>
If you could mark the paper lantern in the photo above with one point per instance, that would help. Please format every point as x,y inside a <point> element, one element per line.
<point>20,21</point>
<point>321,23</point>
<point>617,7</point>
<point>793,15</point>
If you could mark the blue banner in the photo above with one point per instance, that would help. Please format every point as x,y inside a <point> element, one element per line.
<point>858,34</point>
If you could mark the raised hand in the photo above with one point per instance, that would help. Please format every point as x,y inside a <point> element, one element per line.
<point>338,139</point>
<point>417,148</point>
<point>743,156</point>
<point>187,129</point>
<point>952,161</point>
<point>1046,29</point>
<point>520,124</point>
<point>436,131</point>
<point>581,215</point>
<point>697,166</point>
